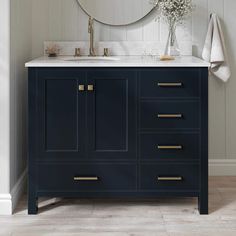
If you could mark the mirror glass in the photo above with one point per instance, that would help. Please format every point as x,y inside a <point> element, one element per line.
<point>116,12</point>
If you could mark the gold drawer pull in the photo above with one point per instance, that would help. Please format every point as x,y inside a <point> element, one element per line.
<point>78,178</point>
<point>170,147</point>
<point>169,178</point>
<point>81,87</point>
<point>90,87</point>
<point>169,115</point>
<point>170,84</point>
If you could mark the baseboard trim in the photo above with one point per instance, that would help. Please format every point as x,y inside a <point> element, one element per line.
<point>18,189</point>
<point>8,202</point>
<point>222,167</point>
<point>5,204</point>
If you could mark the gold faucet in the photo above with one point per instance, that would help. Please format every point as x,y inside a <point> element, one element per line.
<point>91,32</point>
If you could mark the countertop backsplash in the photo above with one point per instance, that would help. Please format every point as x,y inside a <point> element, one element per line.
<point>118,48</point>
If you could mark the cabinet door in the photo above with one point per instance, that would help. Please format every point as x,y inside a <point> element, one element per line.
<point>111,114</point>
<point>61,114</point>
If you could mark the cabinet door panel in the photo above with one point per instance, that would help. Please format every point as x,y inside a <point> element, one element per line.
<point>61,115</point>
<point>61,118</point>
<point>111,114</point>
<point>111,118</point>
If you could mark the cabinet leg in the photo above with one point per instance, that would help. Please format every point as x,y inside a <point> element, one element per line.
<point>32,204</point>
<point>203,205</point>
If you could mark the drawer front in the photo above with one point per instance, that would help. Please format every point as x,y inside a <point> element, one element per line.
<point>170,83</point>
<point>172,177</point>
<point>169,146</point>
<point>86,177</point>
<point>169,114</point>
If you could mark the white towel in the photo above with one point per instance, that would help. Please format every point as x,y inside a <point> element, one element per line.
<point>215,50</point>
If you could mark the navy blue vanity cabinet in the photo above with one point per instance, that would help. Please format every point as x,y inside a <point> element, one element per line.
<point>118,132</point>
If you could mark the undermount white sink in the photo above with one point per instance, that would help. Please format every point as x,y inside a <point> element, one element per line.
<point>90,59</point>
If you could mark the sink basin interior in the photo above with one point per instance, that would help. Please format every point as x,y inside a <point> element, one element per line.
<point>90,59</point>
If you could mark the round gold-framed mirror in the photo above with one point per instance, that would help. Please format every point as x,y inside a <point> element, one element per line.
<point>116,12</point>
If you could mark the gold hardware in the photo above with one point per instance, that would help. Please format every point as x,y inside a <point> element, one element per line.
<point>169,178</point>
<point>78,178</point>
<point>106,52</point>
<point>169,115</point>
<point>170,84</point>
<point>91,32</point>
<point>90,87</point>
<point>77,52</point>
<point>81,87</point>
<point>170,147</point>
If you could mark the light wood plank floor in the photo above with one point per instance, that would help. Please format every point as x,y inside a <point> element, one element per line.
<point>162,217</point>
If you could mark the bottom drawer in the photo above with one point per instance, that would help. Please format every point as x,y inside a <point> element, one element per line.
<point>86,177</point>
<point>173,177</point>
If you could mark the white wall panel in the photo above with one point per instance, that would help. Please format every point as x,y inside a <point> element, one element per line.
<point>135,32</point>
<point>21,14</point>
<point>217,115</point>
<point>4,97</point>
<point>40,25</point>
<point>151,29</point>
<point>230,31</point>
<point>199,25</point>
<point>15,50</point>
<point>69,13</point>
<point>54,12</point>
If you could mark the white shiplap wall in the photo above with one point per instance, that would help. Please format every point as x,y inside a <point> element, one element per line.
<point>4,100</point>
<point>15,50</point>
<point>20,29</point>
<point>64,20</point>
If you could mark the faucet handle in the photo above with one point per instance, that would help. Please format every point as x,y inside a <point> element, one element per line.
<point>77,52</point>
<point>106,52</point>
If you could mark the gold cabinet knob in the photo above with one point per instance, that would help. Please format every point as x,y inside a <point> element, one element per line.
<point>81,87</point>
<point>90,87</point>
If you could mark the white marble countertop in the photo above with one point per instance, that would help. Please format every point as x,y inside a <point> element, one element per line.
<point>121,61</point>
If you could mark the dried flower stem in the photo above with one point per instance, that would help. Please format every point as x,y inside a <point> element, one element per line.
<point>174,11</point>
